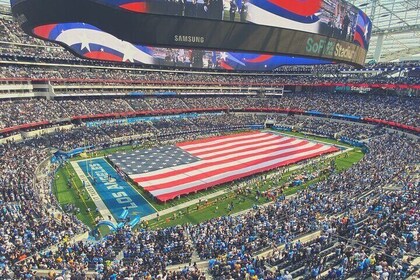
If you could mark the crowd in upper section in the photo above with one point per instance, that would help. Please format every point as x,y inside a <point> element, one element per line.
<point>60,74</point>
<point>393,108</point>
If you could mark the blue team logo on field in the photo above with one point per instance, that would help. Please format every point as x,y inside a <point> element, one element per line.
<point>114,191</point>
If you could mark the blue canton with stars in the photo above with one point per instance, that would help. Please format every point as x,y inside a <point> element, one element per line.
<point>143,161</point>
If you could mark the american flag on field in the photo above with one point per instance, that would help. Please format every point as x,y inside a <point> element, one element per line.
<point>168,172</point>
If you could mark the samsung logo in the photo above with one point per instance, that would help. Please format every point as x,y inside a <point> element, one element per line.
<point>189,39</point>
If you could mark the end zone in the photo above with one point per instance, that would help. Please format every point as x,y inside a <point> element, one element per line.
<point>109,191</point>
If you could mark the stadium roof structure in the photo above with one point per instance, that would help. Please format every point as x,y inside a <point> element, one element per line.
<point>396,28</point>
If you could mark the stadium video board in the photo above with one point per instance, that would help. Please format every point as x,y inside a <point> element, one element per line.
<point>89,42</point>
<point>332,18</point>
<point>145,32</point>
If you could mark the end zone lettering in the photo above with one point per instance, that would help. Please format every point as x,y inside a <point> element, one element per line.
<point>111,185</point>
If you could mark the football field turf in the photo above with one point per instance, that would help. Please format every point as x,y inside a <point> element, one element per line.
<point>116,194</point>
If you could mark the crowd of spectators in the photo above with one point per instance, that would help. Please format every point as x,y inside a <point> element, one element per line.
<point>392,108</point>
<point>27,225</point>
<point>14,41</point>
<point>367,216</point>
<point>74,75</point>
<point>68,140</point>
<point>355,192</point>
<point>366,229</point>
<point>378,241</point>
<point>329,128</point>
<point>126,130</point>
<point>103,134</point>
<point>144,253</point>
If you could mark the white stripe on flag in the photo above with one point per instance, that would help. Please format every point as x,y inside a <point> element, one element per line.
<point>260,155</point>
<point>197,163</point>
<point>220,141</point>
<point>236,172</point>
<point>235,144</point>
<point>260,16</point>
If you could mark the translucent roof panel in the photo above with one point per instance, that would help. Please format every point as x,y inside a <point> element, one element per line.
<point>398,21</point>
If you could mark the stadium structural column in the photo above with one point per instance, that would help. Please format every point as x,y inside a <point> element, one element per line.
<point>378,49</point>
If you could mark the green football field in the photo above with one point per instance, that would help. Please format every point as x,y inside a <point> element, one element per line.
<point>69,191</point>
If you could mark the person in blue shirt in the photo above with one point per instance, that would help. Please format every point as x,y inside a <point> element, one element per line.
<point>315,272</point>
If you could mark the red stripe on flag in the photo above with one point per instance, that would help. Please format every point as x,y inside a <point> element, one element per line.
<point>103,56</point>
<point>218,143</point>
<point>165,197</point>
<point>138,7</point>
<point>358,38</point>
<point>260,58</point>
<point>304,8</point>
<point>226,66</point>
<point>233,144</point>
<point>206,174</point>
<point>44,30</point>
<point>246,149</point>
<point>206,164</point>
<point>206,140</point>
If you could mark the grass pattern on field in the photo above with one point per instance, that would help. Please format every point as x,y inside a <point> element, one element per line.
<point>75,195</point>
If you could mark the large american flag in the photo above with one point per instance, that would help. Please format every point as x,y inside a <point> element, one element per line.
<point>168,172</point>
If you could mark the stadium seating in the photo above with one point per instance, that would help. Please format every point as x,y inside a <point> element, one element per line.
<point>341,194</point>
<point>392,108</point>
<point>365,220</point>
